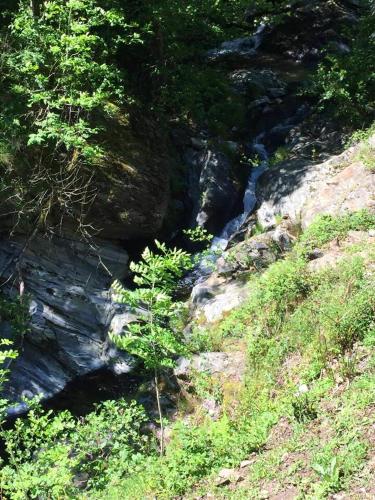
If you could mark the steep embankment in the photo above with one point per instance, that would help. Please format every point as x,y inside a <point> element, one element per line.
<point>68,278</point>
<point>67,275</point>
<point>302,417</point>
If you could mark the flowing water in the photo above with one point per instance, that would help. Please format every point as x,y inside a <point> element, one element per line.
<point>249,200</point>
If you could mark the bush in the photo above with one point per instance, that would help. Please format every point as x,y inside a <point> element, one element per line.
<point>345,85</point>
<point>58,455</point>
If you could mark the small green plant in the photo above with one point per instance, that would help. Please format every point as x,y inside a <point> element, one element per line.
<point>198,235</point>
<point>361,135</point>
<point>207,386</point>
<point>281,154</point>
<point>151,338</point>
<point>257,229</point>
<point>15,313</point>
<point>330,473</point>
<point>367,156</point>
<point>348,367</point>
<point>304,408</point>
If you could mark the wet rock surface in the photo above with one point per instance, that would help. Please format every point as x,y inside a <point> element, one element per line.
<point>214,187</point>
<point>215,296</point>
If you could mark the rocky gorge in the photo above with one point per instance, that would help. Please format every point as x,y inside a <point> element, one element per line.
<point>232,185</point>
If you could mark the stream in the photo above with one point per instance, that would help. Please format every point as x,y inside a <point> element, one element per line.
<point>263,138</point>
<point>258,147</point>
<point>221,241</point>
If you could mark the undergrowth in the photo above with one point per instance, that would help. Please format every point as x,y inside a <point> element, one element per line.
<point>318,317</point>
<point>303,330</point>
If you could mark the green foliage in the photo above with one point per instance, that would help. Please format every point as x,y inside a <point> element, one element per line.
<point>281,154</point>
<point>325,228</point>
<point>196,451</point>
<point>58,76</point>
<point>14,313</point>
<point>206,386</point>
<point>156,275</point>
<point>65,70</point>
<point>304,408</point>
<point>292,313</point>
<point>56,455</point>
<point>361,135</point>
<point>278,292</point>
<point>6,354</point>
<point>198,235</point>
<point>345,85</point>
<point>153,339</point>
<point>59,67</point>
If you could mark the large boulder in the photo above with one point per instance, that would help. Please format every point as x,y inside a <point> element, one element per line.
<point>301,190</point>
<point>216,296</point>
<point>256,252</point>
<point>214,187</point>
<point>309,28</point>
<point>67,284</point>
<point>350,190</point>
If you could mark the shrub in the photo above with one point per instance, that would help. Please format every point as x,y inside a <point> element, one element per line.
<point>345,85</point>
<point>58,455</point>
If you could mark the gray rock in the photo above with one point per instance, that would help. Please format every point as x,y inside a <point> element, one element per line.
<point>71,310</point>
<point>218,297</point>
<point>212,186</point>
<point>284,191</point>
<point>238,49</point>
<point>257,83</point>
<point>231,365</point>
<point>301,190</point>
<point>256,252</point>
<point>227,476</point>
<point>350,190</point>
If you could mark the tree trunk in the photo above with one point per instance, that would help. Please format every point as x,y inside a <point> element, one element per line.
<point>35,7</point>
<point>160,413</point>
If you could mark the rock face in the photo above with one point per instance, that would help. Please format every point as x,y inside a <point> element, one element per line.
<point>312,25</point>
<point>216,296</point>
<point>133,183</point>
<point>240,49</point>
<point>214,189</point>
<point>71,311</point>
<point>350,190</point>
<point>300,189</point>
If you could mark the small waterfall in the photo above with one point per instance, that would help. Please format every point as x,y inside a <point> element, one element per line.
<point>258,35</point>
<point>245,48</point>
<point>220,242</point>
<point>249,200</point>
